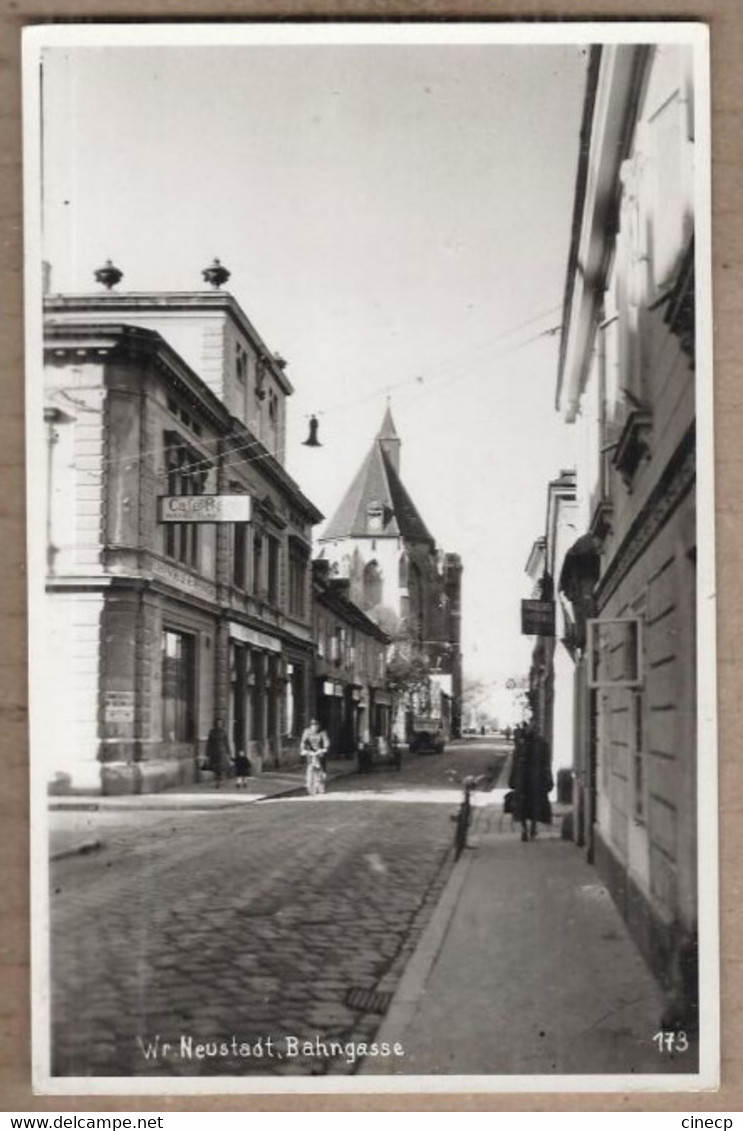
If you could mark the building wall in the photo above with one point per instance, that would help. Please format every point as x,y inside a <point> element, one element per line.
<point>647,815</point>
<point>66,732</point>
<point>128,411</point>
<point>636,494</point>
<point>75,451</point>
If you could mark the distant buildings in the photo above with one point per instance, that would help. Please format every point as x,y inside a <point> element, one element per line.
<point>156,627</point>
<point>378,542</point>
<point>551,679</point>
<point>626,380</point>
<point>352,702</point>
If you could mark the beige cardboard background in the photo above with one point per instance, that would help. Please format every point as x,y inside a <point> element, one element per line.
<point>725,19</point>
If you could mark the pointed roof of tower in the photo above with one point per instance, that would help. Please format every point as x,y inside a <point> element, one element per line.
<point>387,430</point>
<point>378,482</point>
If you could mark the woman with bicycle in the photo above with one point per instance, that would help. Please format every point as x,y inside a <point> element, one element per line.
<point>314,746</point>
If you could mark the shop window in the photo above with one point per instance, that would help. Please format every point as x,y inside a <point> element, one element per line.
<point>238,679</point>
<point>178,686</point>
<point>289,703</point>
<point>257,695</point>
<point>294,702</point>
<point>272,696</point>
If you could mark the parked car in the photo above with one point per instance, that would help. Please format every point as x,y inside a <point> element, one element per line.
<point>427,736</point>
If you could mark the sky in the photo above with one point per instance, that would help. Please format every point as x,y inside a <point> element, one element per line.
<point>397,222</point>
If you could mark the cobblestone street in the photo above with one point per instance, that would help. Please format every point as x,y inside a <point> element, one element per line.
<point>263,921</point>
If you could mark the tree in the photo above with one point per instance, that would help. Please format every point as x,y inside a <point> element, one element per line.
<point>408,680</point>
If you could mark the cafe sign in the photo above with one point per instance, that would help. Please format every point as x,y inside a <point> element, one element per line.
<point>205,508</point>
<point>538,618</point>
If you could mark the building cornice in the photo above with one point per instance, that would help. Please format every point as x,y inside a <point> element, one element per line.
<point>176,301</point>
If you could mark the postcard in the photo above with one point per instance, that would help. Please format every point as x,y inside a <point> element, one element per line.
<point>371,557</point>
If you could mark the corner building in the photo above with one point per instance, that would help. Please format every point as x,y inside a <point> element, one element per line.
<point>154,629</point>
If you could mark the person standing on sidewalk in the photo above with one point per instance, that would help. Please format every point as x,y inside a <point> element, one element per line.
<point>242,769</point>
<point>531,781</point>
<point>218,757</point>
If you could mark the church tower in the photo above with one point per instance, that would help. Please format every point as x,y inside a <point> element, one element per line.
<point>378,541</point>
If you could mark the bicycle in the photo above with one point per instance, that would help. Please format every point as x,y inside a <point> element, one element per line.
<point>315,775</point>
<point>463,816</point>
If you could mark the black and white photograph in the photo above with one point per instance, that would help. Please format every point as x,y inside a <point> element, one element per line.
<point>371,557</point>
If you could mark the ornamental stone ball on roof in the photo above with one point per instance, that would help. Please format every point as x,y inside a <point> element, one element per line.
<point>108,275</point>
<point>215,274</point>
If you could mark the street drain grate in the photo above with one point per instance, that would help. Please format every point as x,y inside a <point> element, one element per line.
<point>368,1001</point>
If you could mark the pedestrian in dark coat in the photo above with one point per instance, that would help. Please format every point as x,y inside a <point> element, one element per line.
<point>242,769</point>
<point>531,781</point>
<point>218,757</point>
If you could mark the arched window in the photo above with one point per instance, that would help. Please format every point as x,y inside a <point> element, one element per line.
<point>403,571</point>
<point>372,594</point>
<point>415,605</point>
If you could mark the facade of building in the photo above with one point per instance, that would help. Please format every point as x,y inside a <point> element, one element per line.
<point>157,627</point>
<point>351,698</point>
<point>378,542</point>
<point>552,675</point>
<point>626,379</point>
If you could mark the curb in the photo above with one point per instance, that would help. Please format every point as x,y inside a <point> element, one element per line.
<point>82,849</point>
<point>159,802</point>
<point>412,985</point>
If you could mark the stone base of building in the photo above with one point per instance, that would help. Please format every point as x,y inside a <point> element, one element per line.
<point>669,950</point>
<point>119,778</point>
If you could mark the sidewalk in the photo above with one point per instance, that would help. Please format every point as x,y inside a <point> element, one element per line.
<point>526,967</point>
<point>200,797</point>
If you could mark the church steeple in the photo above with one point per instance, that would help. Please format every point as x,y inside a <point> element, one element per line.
<point>388,439</point>
<point>376,503</point>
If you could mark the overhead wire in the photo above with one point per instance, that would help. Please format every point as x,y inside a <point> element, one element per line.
<point>418,381</point>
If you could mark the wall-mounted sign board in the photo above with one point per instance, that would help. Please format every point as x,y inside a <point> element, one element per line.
<point>538,618</point>
<point>205,508</point>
